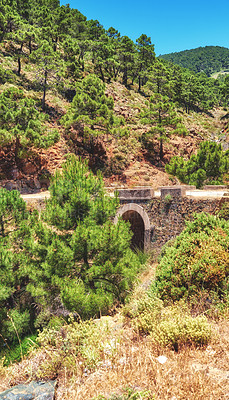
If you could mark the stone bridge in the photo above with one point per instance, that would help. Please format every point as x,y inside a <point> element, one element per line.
<point>157,216</point>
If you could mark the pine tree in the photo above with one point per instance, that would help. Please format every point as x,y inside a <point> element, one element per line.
<point>145,58</point>
<point>163,119</point>
<point>104,57</point>
<point>208,166</point>
<point>13,226</point>
<point>86,263</point>
<point>126,53</point>
<point>49,65</point>
<point>91,111</point>
<point>76,195</point>
<point>71,58</point>
<point>20,123</point>
<point>224,89</point>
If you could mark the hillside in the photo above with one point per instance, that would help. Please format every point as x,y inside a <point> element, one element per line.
<point>208,59</point>
<point>82,108</point>
<point>154,110</point>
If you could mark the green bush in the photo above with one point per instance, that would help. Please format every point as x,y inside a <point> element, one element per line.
<point>177,328</point>
<point>78,346</point>
<point>208,166</point>
<point>168,199</point>
<point>6,75</point>
<point>129,394</point>
<point>224,211</point>
<point>197,261</point>
<point>171,326</point>
<point>18,350</point>
<point>16,325</point>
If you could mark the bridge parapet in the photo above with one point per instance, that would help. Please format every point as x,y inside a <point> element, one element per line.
<point>136,194</point>
<point>215,187</point>
<point>175,191</point>
<point>167,215</point>
<point>143,194</point>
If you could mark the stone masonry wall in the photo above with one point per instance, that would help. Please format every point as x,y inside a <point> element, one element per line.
<point>168,213</point>
<point>168,218</point>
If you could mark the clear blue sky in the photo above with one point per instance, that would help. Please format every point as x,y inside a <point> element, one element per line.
<point>173,25</point>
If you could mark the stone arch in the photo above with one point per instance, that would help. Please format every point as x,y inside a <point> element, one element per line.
<point>140,223</point>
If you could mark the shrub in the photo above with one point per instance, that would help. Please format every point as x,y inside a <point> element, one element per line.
<point>224,211</point>
<point>18,350</point>
<point>197,261</point>
<point>207,167</point>
<point>168,199</point>
<point>78,346</point>
<point>143,308</point>
<point>5,75</point>
<point>171,326</point>
<point>16,325</point>
<point>177,328</point>
<point>129,394</point>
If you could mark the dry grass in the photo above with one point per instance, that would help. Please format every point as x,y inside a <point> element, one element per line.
<point>187,375</point>
<point>190,374</point>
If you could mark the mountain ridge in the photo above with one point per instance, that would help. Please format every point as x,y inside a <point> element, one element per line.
<point>208,59</point>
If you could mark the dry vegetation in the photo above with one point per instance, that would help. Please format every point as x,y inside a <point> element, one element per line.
<point>101,359</point>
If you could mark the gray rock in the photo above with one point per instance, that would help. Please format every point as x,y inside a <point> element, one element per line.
<point>32,391</point>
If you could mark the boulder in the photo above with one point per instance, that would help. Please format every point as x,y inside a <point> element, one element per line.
<point>32,391</point>
<point>29,168</point>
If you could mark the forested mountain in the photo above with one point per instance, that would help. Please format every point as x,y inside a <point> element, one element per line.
<point>82,107</point>
<point>208,59</point>
<point>69,85</point>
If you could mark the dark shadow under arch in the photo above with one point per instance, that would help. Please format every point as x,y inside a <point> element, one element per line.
<point>137,227</point>
<point>140,224</point>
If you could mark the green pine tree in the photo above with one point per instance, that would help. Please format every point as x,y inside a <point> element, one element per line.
<point>20,123</point>
<point>163,120</point>
<point>91,111</point>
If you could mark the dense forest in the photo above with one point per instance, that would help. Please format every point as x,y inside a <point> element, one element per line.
<point>209,59</point>
<point>82,107</point>
<point>62,79</point>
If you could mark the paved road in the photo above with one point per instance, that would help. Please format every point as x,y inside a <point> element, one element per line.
<point>206,193</point>
<point>190,193</point>
<point>36,196</point>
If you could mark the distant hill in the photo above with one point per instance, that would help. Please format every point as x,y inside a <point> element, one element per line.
<point>210,59</point>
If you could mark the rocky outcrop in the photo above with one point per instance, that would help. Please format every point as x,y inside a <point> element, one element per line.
<point>33,391</point>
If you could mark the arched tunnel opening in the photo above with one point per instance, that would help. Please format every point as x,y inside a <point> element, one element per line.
<point>138,228</point>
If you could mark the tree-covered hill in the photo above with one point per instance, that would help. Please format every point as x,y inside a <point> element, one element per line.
<point>80,105</point>
<point>70,86</point>
<point>208,59</point>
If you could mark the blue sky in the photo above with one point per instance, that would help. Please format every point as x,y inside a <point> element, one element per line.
<point>173,25</point>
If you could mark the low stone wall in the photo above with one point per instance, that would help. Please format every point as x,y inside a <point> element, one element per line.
<point>168,219</point>
<point>132,195</point>
<point>168,211</point>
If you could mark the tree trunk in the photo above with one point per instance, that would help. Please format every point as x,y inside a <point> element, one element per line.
<point>2,227</point>
<point>81,62</point>
<point>17,147</point>
<point>30,45</point>
<point>139,83</point>
<point>85,254</point>
<point>161,149</point>
<point>125,76</point>
<point>101,72</point>
<point>44,90</point>
<point>19,66</point>
<point>55,41</point>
